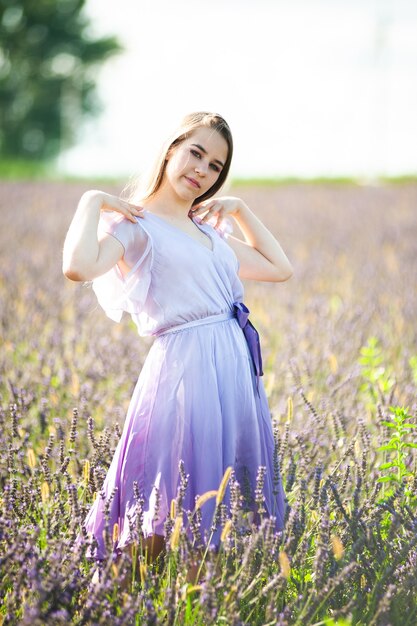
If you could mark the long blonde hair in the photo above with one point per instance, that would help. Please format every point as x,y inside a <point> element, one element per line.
<point>190,123</point>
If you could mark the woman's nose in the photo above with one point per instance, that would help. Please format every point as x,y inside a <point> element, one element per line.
<point>201,169</point>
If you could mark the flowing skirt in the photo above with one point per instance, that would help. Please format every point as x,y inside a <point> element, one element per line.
<point>197,400</point>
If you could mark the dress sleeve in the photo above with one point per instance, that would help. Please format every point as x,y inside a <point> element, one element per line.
<point>117,293</point>
<point>224,230</point>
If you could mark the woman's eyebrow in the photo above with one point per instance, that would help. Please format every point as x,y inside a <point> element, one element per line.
<point>197,145</point>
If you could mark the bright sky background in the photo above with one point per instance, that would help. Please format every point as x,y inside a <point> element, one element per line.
<point>309,87</point>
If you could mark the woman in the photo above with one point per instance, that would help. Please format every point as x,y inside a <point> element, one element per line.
<point>199,398</point>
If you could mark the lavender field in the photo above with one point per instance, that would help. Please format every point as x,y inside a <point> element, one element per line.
<point>340,358</point>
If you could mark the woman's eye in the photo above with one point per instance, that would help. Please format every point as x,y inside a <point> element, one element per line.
<point>195,153</point>
<point>215,167</point>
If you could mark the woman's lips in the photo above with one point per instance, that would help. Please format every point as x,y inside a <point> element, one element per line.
<point>193,182</point>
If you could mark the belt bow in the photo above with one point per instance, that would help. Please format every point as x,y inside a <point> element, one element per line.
<point>251,336</point>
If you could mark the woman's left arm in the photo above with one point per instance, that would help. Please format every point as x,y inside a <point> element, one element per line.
<point>260,255</point>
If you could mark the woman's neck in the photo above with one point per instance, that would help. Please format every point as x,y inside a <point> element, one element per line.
<point>164,202</point>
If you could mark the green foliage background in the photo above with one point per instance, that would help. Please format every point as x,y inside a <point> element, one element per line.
<point>48,66</point>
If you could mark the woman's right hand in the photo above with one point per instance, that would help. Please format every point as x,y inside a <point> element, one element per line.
<point>109,202</point>
<point>84,257</point>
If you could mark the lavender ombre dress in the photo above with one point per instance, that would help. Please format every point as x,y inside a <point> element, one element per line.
<point>197,398</point>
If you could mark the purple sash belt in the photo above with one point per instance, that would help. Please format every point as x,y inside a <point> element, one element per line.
<point>241,313</point>
<point>251,336</point>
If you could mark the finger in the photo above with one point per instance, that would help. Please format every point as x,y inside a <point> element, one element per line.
<point>214,210</point>
<point>136,210</point>
<point>208,217</point>
<point>219,221</point>
<point>131,211</point>
<point>130,215</point>
<point>136,207</point>
<point>127,211</point>
<point>203,206</point>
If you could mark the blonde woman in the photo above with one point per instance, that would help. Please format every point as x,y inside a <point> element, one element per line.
<point>169,262</point>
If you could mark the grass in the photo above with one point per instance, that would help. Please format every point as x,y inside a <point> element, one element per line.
<point>341,375</point>
<point>19,169</point>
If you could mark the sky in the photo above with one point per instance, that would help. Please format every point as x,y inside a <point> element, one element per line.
<point>308,87</point>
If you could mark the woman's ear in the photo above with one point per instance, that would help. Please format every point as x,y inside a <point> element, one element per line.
<point>172,148</point>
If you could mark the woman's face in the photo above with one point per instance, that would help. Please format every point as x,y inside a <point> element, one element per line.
<point>195,164</point>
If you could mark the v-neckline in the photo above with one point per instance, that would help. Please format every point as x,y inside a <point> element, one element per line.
<point>197,224</point>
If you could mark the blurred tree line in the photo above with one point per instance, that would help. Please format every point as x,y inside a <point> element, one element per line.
<point>48,65</point>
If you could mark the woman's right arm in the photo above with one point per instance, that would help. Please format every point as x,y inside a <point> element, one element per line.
<point>84,256</point>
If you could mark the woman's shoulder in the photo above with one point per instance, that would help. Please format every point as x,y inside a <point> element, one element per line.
<point>116,221</point>
<point>132,235</point>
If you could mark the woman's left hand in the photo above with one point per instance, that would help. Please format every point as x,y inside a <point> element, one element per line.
<point>259,254</point>
<point>219,208</point>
